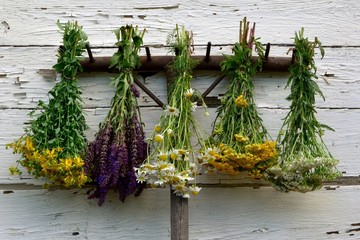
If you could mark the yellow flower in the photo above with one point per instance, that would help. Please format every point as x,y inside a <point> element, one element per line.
<point>162,156</point>
<point>241,102</point>
<point>50,154</point>
<point>159,138</point>
<point>78,162</point>
<point>241,138</point>
<point>82,179</point>
<point>69,181</point>
<point>157,128</point>
<point>36,155</point>
<point>67,163</point>
<point>29,144</point>
<point>14,171</point>
<point>212,152</point>
<point>264,151</point>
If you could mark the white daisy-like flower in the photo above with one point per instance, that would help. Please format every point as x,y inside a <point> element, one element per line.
<point>193,106</point>
<point>140,179</point>
<point>159,138</point>
<point>159,182</point>
<point>140,175</point>
<point>171,168</point>
<point>193,167</point>
<point>179,189</point>
<point>194,190</point>
<point>211,153</point>
<point>183,152</point>
<point>184,176</point>
<point>186,195</point>
<point>169,132</point>
<point>189,93</point>
<point>174,154</point>
<point>162,156</point>
<point>171,111</point>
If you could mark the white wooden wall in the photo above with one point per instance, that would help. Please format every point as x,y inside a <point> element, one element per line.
<point>28,43</point>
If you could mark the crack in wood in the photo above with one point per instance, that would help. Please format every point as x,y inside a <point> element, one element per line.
<point>353,230</point>
<point>8,192</point>
<point>160,7</point>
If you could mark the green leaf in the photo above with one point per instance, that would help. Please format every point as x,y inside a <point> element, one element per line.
<point>114,59</point>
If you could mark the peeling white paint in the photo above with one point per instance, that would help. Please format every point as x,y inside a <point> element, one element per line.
<point>28,43</point>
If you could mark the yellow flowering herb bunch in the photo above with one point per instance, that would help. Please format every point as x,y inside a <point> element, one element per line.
<point>305,161</point>
<point>53,145</point>
<point>239,139</point>
<point>171,160</point>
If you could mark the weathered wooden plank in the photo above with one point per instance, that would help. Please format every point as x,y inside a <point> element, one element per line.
<point>216,213</point>
<point>265,214</point>
<point>33,22</point>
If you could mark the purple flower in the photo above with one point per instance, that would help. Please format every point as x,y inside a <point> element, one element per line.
<point>116,163</point>
<point>132,184</point>
<point>134,90</point>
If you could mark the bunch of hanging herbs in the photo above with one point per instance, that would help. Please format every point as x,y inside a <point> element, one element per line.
<point>240,142</point>
<point>171,160</point>
<point>54,144</point>
<point>120,145</point>
<point>305,161</point>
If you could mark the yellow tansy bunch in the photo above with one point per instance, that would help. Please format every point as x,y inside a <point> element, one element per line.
<point>240,141</point>
<point>253,158</point>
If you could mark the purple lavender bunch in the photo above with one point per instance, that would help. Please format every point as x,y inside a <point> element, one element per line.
<point>112,157</point>
<point>120,143</point>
